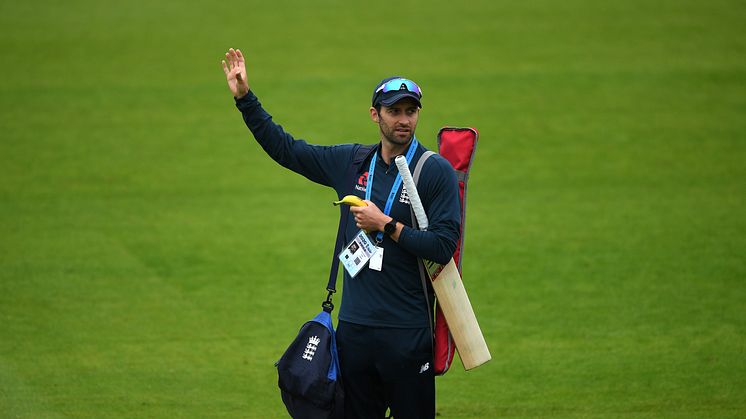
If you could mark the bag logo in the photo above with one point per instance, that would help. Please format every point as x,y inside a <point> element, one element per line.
<point>310,351</point>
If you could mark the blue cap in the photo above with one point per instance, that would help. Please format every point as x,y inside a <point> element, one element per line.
<point>393,89</point>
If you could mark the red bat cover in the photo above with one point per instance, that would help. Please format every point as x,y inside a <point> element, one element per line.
<point>457,145</point>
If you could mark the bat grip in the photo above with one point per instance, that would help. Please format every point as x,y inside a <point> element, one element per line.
<point>414,196</point>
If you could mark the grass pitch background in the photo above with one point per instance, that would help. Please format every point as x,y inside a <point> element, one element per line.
<point>155,263</point>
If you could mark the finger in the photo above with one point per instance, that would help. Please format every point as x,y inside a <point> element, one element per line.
<point>228,58</point>
<point>234,56</point>
<point>241,63</point>
<point>225,67</point>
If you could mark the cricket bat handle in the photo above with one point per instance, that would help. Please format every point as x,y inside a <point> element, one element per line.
<point>414,197</point>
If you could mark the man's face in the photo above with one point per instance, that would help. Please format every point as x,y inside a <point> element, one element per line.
<point>398,121</point>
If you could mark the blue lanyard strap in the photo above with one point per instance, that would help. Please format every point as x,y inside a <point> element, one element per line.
<point>394,187</point>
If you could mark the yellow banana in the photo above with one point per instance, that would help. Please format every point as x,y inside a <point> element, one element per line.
<point>352,201</point>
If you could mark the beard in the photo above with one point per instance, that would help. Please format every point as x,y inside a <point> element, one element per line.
<point>399,137</point>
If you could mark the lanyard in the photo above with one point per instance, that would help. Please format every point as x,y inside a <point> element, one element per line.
<point>394,187</point>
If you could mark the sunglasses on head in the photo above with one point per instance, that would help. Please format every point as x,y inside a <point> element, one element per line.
<point>400,84</point>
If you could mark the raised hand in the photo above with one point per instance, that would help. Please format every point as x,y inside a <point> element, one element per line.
<point>235,72</point>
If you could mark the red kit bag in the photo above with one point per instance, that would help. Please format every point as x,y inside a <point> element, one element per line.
<point>457,145</point>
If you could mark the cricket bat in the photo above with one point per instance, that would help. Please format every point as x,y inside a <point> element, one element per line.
<point>449,289</point>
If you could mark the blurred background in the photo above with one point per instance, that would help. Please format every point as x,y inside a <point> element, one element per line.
<point>154,262</point>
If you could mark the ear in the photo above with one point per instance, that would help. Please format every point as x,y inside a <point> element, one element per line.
<point>374,114</point>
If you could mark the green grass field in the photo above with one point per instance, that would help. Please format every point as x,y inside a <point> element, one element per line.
<point>154,263</point>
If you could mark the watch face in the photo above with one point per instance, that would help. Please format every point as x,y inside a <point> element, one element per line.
<point>390,227</point>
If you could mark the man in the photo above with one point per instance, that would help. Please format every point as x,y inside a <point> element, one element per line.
<point>383,336</point>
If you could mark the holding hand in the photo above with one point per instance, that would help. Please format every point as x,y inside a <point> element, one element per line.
<point>235,73</point>
<point>370,218</point>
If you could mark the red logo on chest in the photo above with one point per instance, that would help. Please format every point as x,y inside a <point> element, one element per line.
<point>362,182</point>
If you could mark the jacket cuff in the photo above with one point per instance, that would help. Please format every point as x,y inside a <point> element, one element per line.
<point>247,101</point>
<point>404,235</point>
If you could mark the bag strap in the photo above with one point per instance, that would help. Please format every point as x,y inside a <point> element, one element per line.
<point>420,263</point>
<point>362,154</point>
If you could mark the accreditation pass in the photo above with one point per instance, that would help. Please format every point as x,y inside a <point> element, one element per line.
<point>357,253</point>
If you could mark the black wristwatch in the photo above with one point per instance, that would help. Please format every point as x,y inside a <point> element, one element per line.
<point>390,227</point>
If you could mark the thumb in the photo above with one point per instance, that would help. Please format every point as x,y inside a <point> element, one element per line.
<point>239,76</point>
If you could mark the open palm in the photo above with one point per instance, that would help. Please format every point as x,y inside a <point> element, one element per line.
<point>234,67</point>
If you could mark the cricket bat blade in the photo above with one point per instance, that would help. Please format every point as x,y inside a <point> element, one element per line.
<point>459,314</point>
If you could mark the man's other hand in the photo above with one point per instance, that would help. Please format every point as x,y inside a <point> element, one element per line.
<point>234,68</point>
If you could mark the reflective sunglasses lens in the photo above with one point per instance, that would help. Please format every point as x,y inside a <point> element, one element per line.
<point>396,84</point>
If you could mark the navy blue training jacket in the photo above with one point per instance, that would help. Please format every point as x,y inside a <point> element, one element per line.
<point>392,297</point>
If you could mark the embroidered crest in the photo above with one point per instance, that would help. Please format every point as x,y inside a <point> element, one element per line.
<point>310,351</point>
